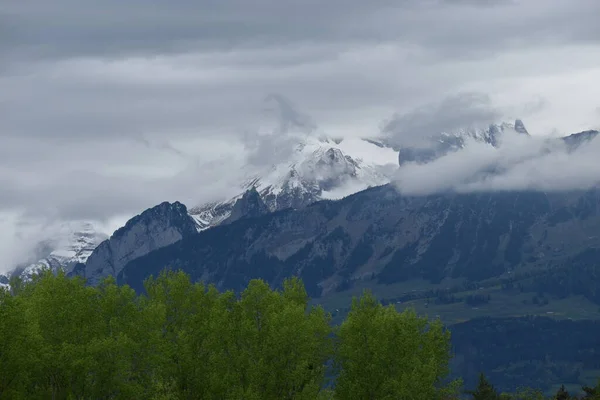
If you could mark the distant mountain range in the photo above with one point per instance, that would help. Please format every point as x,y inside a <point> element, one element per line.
<point>376,234</point>
<point>318,169</point>
<point>71,243</point>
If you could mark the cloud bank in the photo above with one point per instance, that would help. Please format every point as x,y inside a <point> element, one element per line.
<point>108,109</point>
<point>518,163</point>
<point>460,111</point>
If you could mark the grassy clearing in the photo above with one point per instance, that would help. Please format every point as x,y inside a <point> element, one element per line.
<point>502,303</point>
<point>344,299</point>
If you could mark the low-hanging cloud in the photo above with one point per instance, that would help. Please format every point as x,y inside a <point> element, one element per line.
<point>518,163</point>
<point>278,143</point>
<point>463,110</point>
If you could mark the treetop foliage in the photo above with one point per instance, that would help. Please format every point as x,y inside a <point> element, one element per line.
<point>61,339</point>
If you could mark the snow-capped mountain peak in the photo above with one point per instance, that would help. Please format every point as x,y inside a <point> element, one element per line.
<point>72,243</point>
<point>489,134</point>
<point>318,168</point>
<point>456,139</point>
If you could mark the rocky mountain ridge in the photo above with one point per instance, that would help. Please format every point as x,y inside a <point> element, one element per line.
<point>154,228</point>
<point>379,234</point>
<point>258,201</point>
<point>320,167</point>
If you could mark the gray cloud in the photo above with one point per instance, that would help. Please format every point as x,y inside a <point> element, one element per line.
<point>180,67</point>
<point>463,110</point>
<point>113,28</point>
<point>110,107</point>
<point>289,117</point>
<point>519,163</point>
<point>278,143</point>
<point>98,179</point>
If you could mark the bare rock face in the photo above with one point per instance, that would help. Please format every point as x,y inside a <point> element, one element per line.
<point>574,141</point>
<point>156,227</point>
<point>248,206</point>
<point>520,127</point>
<point>381,235</point>
<point>4,282</point>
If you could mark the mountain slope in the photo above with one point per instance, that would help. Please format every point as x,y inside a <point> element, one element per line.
<point>3,282</point>
<point>74,245</point>
<point>154,228</point>
<point>382,235</point>
<point>527,352</point>
<point>318,168</point>
<point>576,140</point>
<point>378,234</point>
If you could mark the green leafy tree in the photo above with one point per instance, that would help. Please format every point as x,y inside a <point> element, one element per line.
<point>383,354</point>
<point>61,339</point>
<point>273,345</point>
<point>74,341</point>
<point>119,349</point>
<point>63,308</point>
<point>266,345</point>
<point>20,344</point>
<point>174,300</point>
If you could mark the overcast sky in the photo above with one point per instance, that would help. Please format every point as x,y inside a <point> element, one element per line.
<point>109,107</point>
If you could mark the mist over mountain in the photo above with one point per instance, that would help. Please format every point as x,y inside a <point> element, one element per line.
<point>499,157</point>
<point>516,162</point>
<point>452,144</point>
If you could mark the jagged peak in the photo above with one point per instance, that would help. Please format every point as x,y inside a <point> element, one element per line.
<point>575,140</point>
<point>251,193</point>
<point>329,155</point>
<point>163,208</point>
<point>584,134</point>
<point>249,205</point>
<point>154,228</point>
<point>489,134</point>
<point>321,167</point>
<point>520,127</point>
<point>450,141</point>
